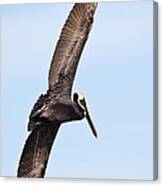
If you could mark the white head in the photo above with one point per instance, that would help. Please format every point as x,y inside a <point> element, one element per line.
<point>79,98</point>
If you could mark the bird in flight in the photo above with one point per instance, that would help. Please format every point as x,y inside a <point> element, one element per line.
<point>56,106</point>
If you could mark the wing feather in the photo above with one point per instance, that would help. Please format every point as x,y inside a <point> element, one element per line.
<point>36,151</point>
<point>70,45</point>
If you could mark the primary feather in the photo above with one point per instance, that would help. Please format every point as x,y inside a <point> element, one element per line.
<point>70,45</point>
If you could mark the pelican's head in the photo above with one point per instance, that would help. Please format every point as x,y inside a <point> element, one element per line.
<point>80,100</point>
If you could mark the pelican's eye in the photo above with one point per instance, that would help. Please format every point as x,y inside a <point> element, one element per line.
<point>82,103</point>
<point>83,106</point>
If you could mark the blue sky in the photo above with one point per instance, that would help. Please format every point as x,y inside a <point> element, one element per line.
<point>115,73</point>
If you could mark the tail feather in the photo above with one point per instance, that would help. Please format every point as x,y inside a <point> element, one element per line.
<point>36,151</point>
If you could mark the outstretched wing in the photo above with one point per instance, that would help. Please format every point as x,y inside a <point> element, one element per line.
<point>70,45</point>
<point>33,161</point>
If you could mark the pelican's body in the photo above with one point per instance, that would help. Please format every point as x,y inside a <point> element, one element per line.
<point>52,108</point>
<point>56,106</point>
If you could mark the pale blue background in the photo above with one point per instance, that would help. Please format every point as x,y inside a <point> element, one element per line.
<point>115,74</point>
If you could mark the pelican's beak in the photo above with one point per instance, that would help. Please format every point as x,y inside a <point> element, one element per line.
<point>91,124</point>
<point>88,117</point>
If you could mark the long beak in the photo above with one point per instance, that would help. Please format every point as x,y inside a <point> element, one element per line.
<point>90,123</point>
<point>88,117</point>
<point>83,104</point>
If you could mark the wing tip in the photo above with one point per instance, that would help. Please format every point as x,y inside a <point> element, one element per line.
<point>87,6</point>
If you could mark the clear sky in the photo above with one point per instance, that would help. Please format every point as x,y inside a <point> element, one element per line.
<point>115,74</point>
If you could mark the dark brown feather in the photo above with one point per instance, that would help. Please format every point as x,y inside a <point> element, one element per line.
<point>70,45</point>
<point>33,161</point>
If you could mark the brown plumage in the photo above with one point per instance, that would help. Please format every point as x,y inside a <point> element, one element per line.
<point>70,45</point>
<point>56,107</point>
<point>36,151</point>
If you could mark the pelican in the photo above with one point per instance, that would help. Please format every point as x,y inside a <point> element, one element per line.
<point>56,107</point>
